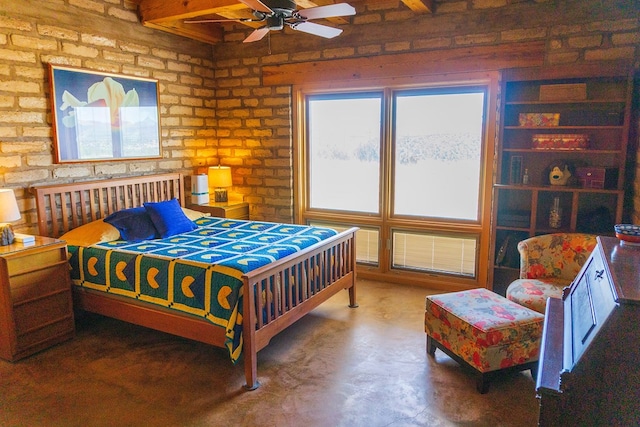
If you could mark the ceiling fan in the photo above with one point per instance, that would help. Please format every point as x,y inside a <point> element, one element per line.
<point>277,13</point>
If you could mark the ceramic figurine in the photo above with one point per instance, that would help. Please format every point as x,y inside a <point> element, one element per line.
<point>559,174</point>
<point>6,236</point>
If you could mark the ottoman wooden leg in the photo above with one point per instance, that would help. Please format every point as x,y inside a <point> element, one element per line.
<point>482,384</point>
<point>431,346</point>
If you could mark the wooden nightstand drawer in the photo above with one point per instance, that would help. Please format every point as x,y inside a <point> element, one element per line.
<point>224,210</point>
<point>40,281</point>
<point>39,313</point>
<point>44,337</point>
<point>27,261</point>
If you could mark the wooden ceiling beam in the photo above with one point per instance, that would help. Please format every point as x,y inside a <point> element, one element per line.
<point>211,34</point>
<point>307,4</point>
<point>154,11</point>
<point>419,6</point>
<point>409,65</point>
<point>170,15</point>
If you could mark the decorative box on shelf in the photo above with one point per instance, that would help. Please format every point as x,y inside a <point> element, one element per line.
<point>597,177</point>
<point>550,141</point>
<point>539,119</point>
<point>514,218</point>
<point>563,92</point>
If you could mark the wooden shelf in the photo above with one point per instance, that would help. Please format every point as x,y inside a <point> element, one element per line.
<point>556,188</point>
<point>554,128</point>
<point>586,101</point>
<point>604,116</point>
<point>559,152</point>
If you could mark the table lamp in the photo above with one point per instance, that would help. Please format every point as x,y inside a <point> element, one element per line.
<point>9,212</point>
<point>219,180</point>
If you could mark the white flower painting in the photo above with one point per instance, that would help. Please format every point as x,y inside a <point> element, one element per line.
<point>104,117</point>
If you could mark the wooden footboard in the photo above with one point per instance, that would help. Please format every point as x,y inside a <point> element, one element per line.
<point>274,296</point>
<point>278,294</point>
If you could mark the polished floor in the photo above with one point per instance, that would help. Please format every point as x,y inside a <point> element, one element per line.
<point>336,367</point>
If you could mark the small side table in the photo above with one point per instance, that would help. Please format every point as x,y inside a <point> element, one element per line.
<point>36,310</point>
<point>224,209</point>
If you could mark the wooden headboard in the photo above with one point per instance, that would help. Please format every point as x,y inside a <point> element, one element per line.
<point>63,207</point>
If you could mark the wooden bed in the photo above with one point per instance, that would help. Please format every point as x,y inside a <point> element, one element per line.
<point>63,207</point>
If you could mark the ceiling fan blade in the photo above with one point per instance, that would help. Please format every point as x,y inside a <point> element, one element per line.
<point>329,11</point>
<point>256,35</point>
<point>316,29</point>
<point>256,5</point>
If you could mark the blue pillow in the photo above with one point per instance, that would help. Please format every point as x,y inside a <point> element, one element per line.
<point>169,218</point>
<point>134,224</point>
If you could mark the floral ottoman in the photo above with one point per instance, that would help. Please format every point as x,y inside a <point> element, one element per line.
<point>483,331</point>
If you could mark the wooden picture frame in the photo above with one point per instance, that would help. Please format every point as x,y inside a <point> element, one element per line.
<point>103,117</point>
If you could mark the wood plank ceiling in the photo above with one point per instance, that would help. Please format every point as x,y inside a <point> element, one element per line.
<point>169,15</point>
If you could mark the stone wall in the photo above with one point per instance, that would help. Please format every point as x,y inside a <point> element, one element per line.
<point>104,36</point>
<point>214,105</point>
<point>255,121</point>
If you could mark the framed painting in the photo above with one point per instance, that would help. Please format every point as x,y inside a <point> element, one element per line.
<point>103,117</point>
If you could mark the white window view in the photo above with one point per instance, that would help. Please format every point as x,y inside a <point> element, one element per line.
<point>438,141</point>
<point>427,143</point>
<point>344,152</point>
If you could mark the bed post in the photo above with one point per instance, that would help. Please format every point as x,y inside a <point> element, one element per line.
<point>352,267</point>
<point>249,345</point>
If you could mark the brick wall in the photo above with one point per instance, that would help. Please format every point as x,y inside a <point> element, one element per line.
<point>255,120</point>
<point>104,36</point>
<point>214,106</point>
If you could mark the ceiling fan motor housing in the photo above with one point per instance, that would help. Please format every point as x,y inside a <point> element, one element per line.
<point>281,8</point>
<point>275,22</point>
<point>277,13</point>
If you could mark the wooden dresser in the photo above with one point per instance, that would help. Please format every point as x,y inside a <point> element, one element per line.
<point>36,309</point>
<point>589,369</point>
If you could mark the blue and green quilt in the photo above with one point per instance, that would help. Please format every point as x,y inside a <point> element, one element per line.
<point>198,272</point>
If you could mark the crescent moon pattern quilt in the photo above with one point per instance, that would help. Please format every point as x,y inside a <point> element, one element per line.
<point>198,272</point>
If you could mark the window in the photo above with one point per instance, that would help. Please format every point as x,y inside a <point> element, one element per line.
<point>344,141</point>
<point>438,141</point>
<point>406,165</point>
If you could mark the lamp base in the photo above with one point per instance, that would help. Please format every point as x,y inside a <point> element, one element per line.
<point>220,195</point>
<point>6,234</point>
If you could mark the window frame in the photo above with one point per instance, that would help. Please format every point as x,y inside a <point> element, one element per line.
<point>386,221</point>
<point>444,90</point>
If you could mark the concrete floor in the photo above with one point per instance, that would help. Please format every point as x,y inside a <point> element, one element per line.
<point>336,367</point>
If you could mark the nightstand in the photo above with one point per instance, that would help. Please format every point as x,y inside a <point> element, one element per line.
<point>224,209</point>
<point>36,308</point>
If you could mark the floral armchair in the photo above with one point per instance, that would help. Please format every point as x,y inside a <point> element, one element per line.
<point>548,263</point>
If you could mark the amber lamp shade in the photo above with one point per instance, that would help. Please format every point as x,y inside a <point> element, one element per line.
<point>219,180</point>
